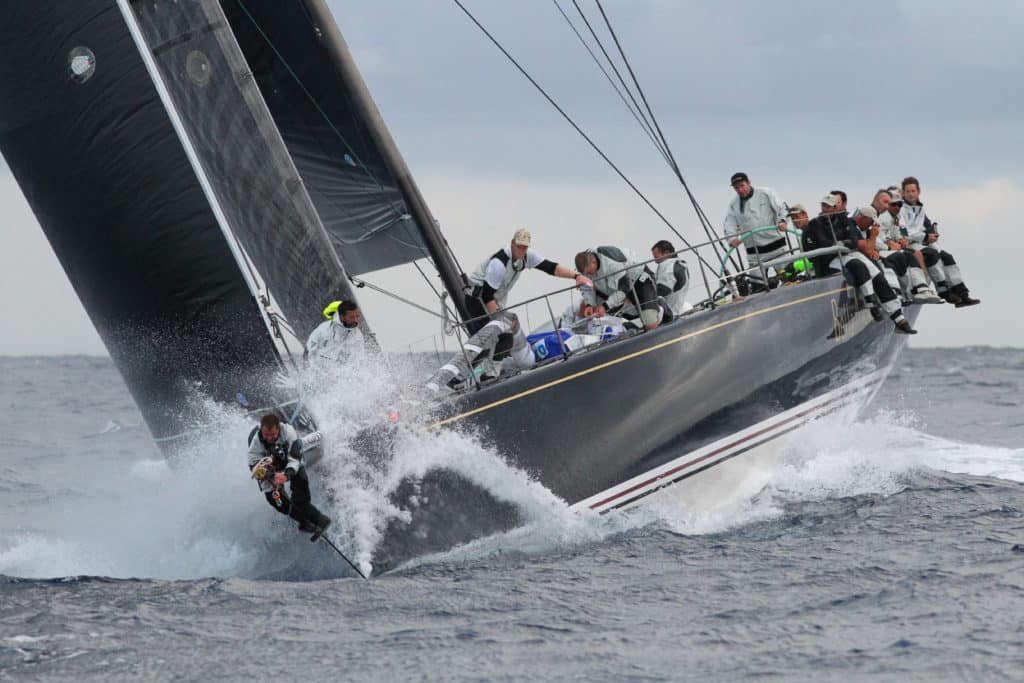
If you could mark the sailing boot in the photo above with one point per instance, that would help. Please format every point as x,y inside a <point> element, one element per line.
<point>320,530</point>
<point>946,293</point>
<point>875,307</point>
<point>960,291</point>
<point>902,324</point>
<point>923,295</point>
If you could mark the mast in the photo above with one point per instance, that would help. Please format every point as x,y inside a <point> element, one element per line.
<point>437,247</point>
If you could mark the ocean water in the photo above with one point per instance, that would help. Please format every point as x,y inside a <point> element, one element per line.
<point>892,549</point>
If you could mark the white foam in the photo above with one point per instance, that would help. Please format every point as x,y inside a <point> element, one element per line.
<point>828,459</point>
<point>831,460</point>
<point>26,639</point>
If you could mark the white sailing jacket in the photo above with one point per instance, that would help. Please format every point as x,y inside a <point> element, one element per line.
<point>501,272</point>
<point>914,222</point>
<point>889,229</point>
<point>762,209</point>
<point>332,341</point>
<point>672,279</point>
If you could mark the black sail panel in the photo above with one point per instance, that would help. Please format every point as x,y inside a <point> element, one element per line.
<point>348,181</point>
<point>256,185</point>
<point>91,144</point>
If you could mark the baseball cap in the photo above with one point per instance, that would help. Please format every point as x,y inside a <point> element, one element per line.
<point>739,176</point>
<point>522,237</point>
<point>830,200</point>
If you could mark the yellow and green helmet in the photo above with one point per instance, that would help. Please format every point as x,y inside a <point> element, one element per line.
<point>331,309</point>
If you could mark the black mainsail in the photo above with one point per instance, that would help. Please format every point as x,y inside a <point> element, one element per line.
<point>208,173</point>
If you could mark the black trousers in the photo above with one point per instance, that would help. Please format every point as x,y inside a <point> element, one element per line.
<point>299,505</point>
<point>860,273</point>
<point>930,254</point>
<point>475,306</point>
<point>647,294</point>
<point>899,261</point>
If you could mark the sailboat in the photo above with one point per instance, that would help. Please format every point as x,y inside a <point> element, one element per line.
<point>210,172</point>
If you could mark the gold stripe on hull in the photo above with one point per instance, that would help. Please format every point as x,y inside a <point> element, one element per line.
<point>628,356</point>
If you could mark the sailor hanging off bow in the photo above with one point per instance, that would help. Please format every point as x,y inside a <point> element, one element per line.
<point>275,458</point>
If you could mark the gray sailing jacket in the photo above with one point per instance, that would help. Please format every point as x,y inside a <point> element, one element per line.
<point>286,451</point>
<point>610,285</point>
<point>762,209</point>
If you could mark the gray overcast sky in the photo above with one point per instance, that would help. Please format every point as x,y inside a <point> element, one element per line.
<point>804,96</point>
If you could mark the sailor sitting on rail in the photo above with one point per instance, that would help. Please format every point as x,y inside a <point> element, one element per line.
<point>338,338</point>
<point>672,278</point>
<point>922,234</point>
<point>494,278</point>
<point>798,215</point>
<point>831,228</point>
<point>903,265</point>
<point>618,277</point>
<point>891,226</point>
<point>756,207</point>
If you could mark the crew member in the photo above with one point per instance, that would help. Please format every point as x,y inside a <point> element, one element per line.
<point>275,457</point>
<point>495,277</point>
<point>338,338</point>
<point>756,207</point>
<point>798,214</point>
<point>897,261</point>
<point>830,228</point>
<point>922,234</point>
<point>618,276</point>
<point>672,277</point>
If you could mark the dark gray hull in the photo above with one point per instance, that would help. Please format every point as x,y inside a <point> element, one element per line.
<point>769,363</point>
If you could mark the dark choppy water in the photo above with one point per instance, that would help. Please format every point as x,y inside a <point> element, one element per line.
<point>894,551</point>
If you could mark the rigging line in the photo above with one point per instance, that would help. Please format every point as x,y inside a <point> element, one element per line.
<point>312,99</point>
<point>615,69</point>
<point>708,229</point>
<point>429,283</point>
<point>363,283</point>
<point>440,297</point>
<point>285,325</point>
<point>643,124</point>
<point>664,146</point>
<point>579,130</point>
